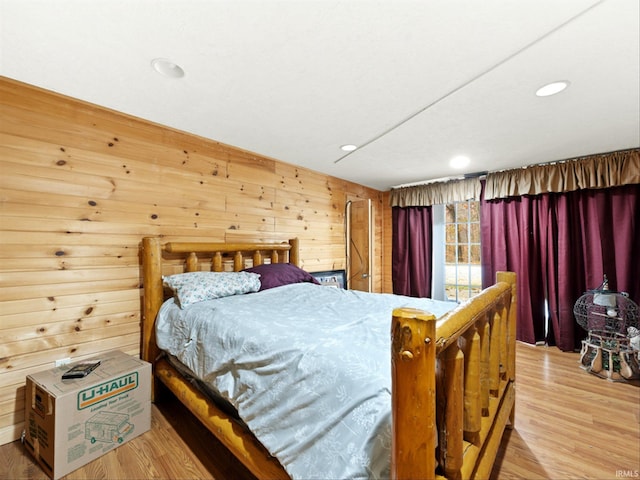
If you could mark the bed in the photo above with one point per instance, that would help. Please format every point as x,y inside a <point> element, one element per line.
<point>447,388</point>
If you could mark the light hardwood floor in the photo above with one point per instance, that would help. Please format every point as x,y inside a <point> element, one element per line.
<point>569,424</point>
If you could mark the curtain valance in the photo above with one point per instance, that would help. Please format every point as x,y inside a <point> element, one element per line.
<point>597,171</point>
<point>437,193</point>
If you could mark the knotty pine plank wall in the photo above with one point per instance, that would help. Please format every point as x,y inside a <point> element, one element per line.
<point>387,242</point>
<point>81,185</point>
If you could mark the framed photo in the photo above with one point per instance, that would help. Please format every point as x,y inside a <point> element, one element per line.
<point>331,278</point>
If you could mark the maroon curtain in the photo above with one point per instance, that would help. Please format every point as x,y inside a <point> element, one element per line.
<point>412,244</point>
<point>561,245</point>
<point>598,233</point>
<point>512,231</point>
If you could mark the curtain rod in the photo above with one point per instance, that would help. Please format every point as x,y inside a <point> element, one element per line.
<point>484,174</point>
<point>441,180</point>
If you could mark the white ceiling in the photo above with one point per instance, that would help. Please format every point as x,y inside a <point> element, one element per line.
<point>413,83</point>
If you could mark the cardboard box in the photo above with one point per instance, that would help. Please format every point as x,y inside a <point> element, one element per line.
<point>69,423</point>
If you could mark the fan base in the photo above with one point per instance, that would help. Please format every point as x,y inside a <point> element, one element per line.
<point>610,356</point>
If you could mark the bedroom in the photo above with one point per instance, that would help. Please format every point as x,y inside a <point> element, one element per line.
<point>83,184</point>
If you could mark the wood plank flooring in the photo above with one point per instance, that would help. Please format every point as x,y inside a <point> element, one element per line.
<point>569,424</point>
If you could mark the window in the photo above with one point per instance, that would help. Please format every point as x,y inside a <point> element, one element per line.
<point>462,269</point>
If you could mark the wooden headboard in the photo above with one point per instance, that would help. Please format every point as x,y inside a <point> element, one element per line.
<point>158,258</point>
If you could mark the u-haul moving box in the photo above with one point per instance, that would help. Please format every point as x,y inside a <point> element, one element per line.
<point>69,423</point>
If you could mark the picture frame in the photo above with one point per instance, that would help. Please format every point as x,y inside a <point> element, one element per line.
<point>331,278</point>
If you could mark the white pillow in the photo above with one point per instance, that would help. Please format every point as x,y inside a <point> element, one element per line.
<point>194,287</point>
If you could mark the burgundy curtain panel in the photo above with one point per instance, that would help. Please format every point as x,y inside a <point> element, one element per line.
<point>512,231</point>
<point>412,244</point>
<point>561,245</point>
<point>598,233</point>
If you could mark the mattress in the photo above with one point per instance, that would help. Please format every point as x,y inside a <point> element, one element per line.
<point>306,367</point>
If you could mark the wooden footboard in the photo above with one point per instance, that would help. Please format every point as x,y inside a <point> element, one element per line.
<point>453,385</point>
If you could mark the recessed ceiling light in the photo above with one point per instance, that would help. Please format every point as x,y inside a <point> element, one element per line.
<point>552,88</point>
<point>167,68</point>
<point>459,162</point>
<point>348,148</point>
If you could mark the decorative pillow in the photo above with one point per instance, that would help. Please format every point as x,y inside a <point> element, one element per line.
<point>195,287</point>
<point>278,274</point>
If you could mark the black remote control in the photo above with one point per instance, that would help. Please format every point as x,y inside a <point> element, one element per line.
<point>80,370</point>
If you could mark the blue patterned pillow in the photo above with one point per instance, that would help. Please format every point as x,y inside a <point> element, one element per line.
<point>194,287</point>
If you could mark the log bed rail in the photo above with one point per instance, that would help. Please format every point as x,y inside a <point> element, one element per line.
<point>453,378</point>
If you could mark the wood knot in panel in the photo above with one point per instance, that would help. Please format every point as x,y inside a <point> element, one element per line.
<point>402,342</point>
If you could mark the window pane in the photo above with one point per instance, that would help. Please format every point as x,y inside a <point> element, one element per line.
<point>450,254</point>
<point>474,211</point>
<point>450,275</point>
<point>475,254</point>
<point>450,291</point>
<point>450,232</point>
<point>476,275</point>
<point>450,213</point>
<point>463,233</point>
<point>463,294</point>
<point>463,212</point>
<point>475,291</point>
<point>475,233</point>
<point>463,254</point>
<point>463,275</point>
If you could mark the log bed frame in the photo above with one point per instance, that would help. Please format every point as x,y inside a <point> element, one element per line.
<point>453,379</point>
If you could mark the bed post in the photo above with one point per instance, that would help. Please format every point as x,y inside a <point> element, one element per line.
<point>294,252</point>
<point>152,288</point>
<point>510,278</point>
<point>413,410</point>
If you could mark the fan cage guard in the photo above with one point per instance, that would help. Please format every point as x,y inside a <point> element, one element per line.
<point>607,351</point>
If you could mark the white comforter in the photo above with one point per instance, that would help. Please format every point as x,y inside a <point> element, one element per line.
<point>307,367</point>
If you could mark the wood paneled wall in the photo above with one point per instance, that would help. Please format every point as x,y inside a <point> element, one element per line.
<point>81,185</point>
<point>387,243</point>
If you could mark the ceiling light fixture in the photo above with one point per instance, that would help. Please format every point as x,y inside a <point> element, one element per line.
<point>167,68</point>
<point>552,88</point>
<point>459,162</point>
<point>348,148</point>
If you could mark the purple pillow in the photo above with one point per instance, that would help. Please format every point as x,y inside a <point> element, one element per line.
<point>278,274</point>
